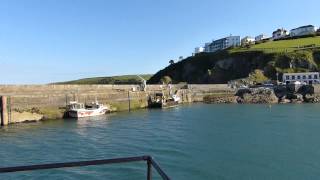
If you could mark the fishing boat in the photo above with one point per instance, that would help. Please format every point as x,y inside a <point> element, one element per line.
<point>173,101</point>
<point>80,110</point>
<point>160,101</point>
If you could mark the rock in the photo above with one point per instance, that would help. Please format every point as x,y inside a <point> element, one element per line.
<point>241,92</point>
<point>218,99</point>
<point>260,96</point>
<point>306,89</point>
<point>299,97</point>
<point>285,101</point>
<point>280,91</point>
<point>310,99</point>
<point>25,116</point>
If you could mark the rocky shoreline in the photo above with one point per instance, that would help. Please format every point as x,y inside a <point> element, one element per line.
<point>262,95</point>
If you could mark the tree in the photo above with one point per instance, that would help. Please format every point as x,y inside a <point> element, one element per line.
<point>171,62</point>
<point>257,76</point>
<point>166,80</point>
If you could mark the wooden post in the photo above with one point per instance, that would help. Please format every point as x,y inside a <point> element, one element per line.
<point>129,100</point>
<point>4,111</point>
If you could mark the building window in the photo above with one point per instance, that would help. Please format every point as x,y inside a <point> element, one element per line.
<point>310,77</point>
<point>287,77</point>
<point>293,77</point>
<point>304,77</point>
<point>315,76</point>
<point>299,77</point>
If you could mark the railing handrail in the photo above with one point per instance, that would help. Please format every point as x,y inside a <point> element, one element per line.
<point>148,159</point>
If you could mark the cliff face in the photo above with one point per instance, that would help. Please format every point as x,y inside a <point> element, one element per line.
<point>223,66</point>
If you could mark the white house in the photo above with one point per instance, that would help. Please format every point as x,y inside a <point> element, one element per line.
<point>223,43</point>
<point>307,78</point>
<point>279,33</point>
<point>199,50</point>
<point>247,40</point>
<point>261,37</point>
<point>303,30</point>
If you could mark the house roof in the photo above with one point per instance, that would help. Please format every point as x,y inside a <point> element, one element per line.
<point>279,30</point>
<point>302,27</point>
<point>303,73</point>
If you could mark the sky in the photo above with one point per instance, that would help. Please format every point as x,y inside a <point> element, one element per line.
<point>44,41</point>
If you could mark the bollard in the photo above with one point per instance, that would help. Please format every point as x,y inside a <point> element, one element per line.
<point>4,111</point>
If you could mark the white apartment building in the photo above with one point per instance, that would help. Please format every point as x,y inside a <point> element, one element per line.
<point>261,37</point>
<point>224,43</point>
<point>307,78</point>
<point>232,41</point>
<point>247,40</point>
<point>279,33</point>
<point>303,30</point>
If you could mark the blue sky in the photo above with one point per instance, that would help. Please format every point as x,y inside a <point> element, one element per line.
<point>45,41</point>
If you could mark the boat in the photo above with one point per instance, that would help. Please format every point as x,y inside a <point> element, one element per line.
<point>80,110</point>
<point>160,101</point>
<point>173,101</point>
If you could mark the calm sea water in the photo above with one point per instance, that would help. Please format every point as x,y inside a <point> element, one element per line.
<point>189,142</point>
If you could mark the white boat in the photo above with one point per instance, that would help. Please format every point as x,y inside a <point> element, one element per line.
<point>80,110</point>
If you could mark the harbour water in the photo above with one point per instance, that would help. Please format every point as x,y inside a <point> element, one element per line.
<point>190,142</point>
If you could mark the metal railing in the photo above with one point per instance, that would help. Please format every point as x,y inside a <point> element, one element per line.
<point>150,163</point>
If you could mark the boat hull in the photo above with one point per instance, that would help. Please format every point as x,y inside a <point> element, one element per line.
<point>87,113</point>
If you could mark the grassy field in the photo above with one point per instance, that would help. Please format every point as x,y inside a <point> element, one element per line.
<point>126,79</point>
<point>282,46</point>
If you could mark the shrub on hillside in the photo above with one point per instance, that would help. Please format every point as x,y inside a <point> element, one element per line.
<point>299,59</point>
<point>257,76</point>
<point>270,72</point>
<point>282,61</point>
<point>316,57</point>
<point>303,59</point>
<point>166,80</point>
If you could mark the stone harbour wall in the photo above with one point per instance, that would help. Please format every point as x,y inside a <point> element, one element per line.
<point>37,102</point>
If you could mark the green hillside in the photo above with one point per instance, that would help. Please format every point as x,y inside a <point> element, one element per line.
<point>126,79</point>
<point>265,59</point>
<point>282,46</point>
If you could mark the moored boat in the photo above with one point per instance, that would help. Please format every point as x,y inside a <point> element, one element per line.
<point>160,101</point>
<point>80,110</point>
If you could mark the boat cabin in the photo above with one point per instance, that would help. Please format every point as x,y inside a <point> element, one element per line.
<point>75,105</point>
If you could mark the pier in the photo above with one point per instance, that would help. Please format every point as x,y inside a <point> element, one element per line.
<point>22,103</point>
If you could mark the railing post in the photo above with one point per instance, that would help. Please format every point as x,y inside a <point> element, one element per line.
<point>151,164</point>
<point>149,170</point>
